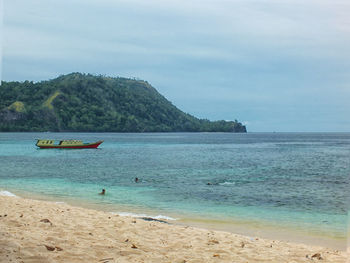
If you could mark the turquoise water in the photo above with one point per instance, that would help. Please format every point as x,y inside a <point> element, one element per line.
<point>294,180</point>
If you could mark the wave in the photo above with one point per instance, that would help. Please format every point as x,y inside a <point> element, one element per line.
<point>7,193</point>
<point>158,217</point>
<point>227,183</point>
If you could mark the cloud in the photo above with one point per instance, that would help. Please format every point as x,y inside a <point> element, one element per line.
<point>197,53</point>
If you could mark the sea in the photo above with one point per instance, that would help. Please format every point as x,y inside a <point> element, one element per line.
<point>293,186</point>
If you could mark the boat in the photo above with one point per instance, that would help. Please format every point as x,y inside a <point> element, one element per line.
<point>66,144</point>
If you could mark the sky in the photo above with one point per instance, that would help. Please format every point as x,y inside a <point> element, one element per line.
<point>274,65</point>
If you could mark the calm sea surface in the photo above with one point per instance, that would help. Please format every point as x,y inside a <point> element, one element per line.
<point>292,180</point>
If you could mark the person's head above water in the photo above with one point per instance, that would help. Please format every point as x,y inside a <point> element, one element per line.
<point>103,192</point>
<point>136,180</point>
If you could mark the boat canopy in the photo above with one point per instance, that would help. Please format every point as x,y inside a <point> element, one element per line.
<point>45,142</point>
<point>70,142</point>
<point>62,142</point>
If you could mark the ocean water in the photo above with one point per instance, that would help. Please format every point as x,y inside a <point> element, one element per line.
<point>296,181</point>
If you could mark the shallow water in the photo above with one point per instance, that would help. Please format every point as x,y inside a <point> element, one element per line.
<point>288,180</point>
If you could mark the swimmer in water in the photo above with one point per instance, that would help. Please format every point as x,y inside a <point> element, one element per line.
<point>103,192</point>
<point>136,180</point>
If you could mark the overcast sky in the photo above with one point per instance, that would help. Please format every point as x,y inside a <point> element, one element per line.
<point>276,65</point>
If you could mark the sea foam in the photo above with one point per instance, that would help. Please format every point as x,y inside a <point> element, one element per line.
<point>158,217</point>
<point>7,193</point>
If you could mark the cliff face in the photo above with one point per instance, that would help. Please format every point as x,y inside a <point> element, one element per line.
<point>79,102</point>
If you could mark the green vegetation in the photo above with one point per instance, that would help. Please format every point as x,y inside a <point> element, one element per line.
<point>48,102</point>
<point>17,106</point>
<point>80,102</point>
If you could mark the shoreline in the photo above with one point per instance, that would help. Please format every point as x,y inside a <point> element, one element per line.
<point>241,227</point>
<point>44,231</point>
<point>285,234</point>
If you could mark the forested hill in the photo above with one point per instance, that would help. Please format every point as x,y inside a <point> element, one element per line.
<point>88,103</point>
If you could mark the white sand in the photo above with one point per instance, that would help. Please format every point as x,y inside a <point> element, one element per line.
<point>37,231</point>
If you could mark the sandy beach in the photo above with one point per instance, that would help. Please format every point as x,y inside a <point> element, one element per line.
<point>40,231</point>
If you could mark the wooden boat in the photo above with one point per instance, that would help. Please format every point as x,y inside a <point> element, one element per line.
<point>66,144</point>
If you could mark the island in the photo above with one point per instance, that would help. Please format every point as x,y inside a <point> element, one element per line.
<point>79,102</point>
